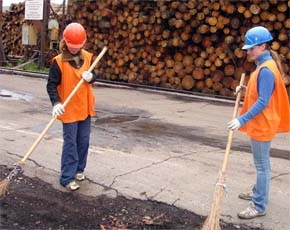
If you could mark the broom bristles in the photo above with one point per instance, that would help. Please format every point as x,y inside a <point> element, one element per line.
<point>213,220</point>
<point>4,184</point>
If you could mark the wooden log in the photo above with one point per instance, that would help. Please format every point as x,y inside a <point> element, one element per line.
<point>167,43</point>
<point>229,70</point>
<point>208,82</point>
<point>282,7</point>
<point>187,60</point>
<point>225,92</point>
<point>217,86</point>
<point>199,85</point>
<point>198,74</point>
<point>255,9</point>
<point>217,76</point>
<point>227,81</point>
<point>178,67</point>
<point>187,82</point>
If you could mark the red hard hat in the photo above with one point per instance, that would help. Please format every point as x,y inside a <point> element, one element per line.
<point>74,35</point>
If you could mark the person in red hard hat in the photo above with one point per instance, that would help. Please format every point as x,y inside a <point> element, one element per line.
<point>265,112</point>
<point>65,72</point>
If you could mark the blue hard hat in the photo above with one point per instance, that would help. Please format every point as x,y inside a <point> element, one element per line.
<point>256,36</point>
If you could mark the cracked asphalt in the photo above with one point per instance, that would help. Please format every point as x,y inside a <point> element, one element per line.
<point>146,145</point>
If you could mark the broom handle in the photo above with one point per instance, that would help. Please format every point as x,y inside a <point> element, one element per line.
<point>231,132</point>
<point>36,142</point>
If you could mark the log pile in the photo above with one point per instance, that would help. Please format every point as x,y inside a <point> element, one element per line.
<point>186,45</point>
<point>12,30</point>
<point>13,20</point>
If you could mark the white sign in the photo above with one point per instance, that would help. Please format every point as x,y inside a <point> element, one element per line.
<point>34,9</point>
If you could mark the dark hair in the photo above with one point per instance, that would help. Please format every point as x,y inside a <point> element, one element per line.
<point>62,46</point>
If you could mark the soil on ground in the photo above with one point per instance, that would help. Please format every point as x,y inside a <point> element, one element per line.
<point>33,204</point>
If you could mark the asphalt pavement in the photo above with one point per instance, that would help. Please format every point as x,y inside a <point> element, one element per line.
<point>148,145</point>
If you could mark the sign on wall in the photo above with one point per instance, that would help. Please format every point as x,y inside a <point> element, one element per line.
<point>33,9</point>
<point>29,35</point>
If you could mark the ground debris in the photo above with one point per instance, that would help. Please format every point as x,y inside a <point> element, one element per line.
<point>34,204</point>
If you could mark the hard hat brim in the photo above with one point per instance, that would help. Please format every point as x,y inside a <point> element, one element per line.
<point>246,47</point>
<point>75,46</point>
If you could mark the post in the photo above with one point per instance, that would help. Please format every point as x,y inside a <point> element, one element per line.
<point>63,16</point>
<point>46,4</point>
<point>2,52</point>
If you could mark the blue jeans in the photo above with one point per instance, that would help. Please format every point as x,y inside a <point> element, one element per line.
<point>76,140</point>
<point>261,156</point>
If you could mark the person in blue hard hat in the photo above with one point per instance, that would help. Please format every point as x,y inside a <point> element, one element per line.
<point>265,112</point>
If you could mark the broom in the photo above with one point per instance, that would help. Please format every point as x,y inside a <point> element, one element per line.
<point>4,184</point>
<point>212,221</point>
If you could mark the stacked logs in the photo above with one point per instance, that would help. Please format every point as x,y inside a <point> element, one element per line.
<point>12,30</point>
<point>187,45</point>
<point>12,22</point>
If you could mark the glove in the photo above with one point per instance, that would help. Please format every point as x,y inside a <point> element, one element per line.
<point>87,76</point>
<point>58,110</point>
<point>239,88</point>
<point>234,124</point>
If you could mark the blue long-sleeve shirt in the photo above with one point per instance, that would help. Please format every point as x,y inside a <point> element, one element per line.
<point>266,84</point>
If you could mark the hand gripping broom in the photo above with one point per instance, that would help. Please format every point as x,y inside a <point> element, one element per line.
<point>4,184</point>
<point>212,221</point>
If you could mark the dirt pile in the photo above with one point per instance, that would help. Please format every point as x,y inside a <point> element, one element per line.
<point>34,204</point>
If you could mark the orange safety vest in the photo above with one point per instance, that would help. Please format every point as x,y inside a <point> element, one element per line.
<point>275,118</point>
<point>82,103</point>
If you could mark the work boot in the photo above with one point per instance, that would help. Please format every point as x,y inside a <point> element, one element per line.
<point>80,176</point>
<point>72,186</point>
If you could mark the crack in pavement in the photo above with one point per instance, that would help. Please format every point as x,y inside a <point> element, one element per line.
<point>19,156</point>
<point>145,167</point>
<point>153,196</point>
<point>279,175</point>
<point>39,166</point>
<point>106,188</point>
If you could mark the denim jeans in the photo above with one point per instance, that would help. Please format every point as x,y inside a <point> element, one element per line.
<point>261,156</point>
<point>76,139</point>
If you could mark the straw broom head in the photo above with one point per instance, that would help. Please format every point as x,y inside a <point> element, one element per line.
<point>213,220</point>
<point>4,184</point>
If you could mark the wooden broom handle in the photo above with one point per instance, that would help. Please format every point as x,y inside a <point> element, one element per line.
<point>231,132</point>
<point>36,142</point>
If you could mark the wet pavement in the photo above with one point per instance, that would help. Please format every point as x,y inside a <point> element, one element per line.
<point>147,145</point>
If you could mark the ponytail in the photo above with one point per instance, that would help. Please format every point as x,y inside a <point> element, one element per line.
<point>277,58</point>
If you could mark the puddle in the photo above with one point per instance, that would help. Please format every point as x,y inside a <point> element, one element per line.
<point>115,119</point>
<point>14,96</point>
<point>151,128</point>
